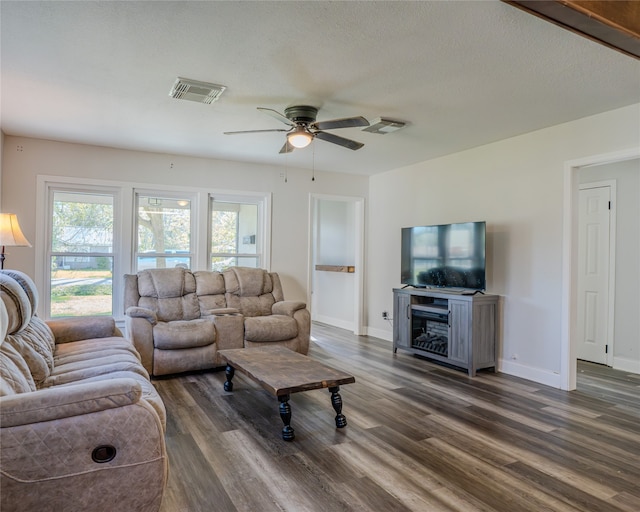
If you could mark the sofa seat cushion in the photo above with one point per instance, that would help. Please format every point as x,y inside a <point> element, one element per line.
<point>181,334</point>
<point>92,346</point>
<point>95,358</point>
<point>86,369</point>
<point>270,328</point>
<point>149,392</point>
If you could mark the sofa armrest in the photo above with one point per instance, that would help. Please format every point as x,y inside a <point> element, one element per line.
<point>66,401</point>
<point>67,448</point>
<point>229,332</point>
<point>138,312</point>
<point>74,329</point>
<point>287,307</point>
<point>140,332</point>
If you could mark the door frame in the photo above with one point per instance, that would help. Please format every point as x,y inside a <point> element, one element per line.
<point>611,291</point>
<point>568,339</point>
<point>358,299</point>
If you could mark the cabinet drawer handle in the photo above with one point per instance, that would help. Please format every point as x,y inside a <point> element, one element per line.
<point>408,311</point>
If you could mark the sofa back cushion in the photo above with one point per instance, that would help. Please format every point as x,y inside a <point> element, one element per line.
<point>16,302</point>
<point>210,290</point>
<point>26,333</point>
<point>15,376</point>
<point>170,293</point>
<point>35,344</point>
<point>251,290</point>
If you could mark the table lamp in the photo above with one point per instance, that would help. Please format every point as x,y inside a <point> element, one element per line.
<point>10,234</point>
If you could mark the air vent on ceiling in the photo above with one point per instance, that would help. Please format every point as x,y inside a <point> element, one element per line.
<point>384,125</point>
<point>192,90</point>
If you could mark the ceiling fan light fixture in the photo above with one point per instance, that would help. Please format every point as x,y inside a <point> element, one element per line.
<point>300,138</point>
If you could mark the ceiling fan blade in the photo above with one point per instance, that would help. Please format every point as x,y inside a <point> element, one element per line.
<point>257,131</point>
<point>341,141</point>
<point>347,122</point>
<point>287,148</point>
<point>277,115</point>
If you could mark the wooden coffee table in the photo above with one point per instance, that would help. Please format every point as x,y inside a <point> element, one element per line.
<point>281,372</point>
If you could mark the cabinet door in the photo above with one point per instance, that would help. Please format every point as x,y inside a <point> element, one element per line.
<point>402,320</point>
<point>459,333</point>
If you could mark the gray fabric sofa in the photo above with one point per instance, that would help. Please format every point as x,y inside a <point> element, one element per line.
<point>178,319</point>
<point>81,425</point>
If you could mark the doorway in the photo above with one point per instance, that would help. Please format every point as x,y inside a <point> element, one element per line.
<point>569,337</point>
<point>336,273</point>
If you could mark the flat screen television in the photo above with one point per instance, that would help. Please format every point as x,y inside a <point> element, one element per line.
<point>444,256</point>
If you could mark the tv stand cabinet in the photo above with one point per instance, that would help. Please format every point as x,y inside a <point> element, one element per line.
<point>446,326</point>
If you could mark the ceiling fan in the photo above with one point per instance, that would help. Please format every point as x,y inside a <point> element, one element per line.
<point>303,127</point>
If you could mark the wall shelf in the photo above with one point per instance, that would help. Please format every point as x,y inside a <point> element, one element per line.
<point>336,268</point>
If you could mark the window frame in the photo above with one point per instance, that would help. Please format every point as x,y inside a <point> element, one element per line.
<point>263,234</point>
<point>125,219</point>
<point>44,236</point>
<point>173,194</point>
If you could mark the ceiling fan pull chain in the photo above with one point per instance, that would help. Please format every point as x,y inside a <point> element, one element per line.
<point>313,162</point>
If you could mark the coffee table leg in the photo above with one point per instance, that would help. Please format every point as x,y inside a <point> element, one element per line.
<point>285,414</point>
<point>229,372</point>
<point>336,401</point>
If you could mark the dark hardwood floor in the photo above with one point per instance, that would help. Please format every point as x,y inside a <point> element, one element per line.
<point>420,437</point>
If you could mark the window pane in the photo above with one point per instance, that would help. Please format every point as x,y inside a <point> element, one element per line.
<point>82,223</point>
<point>81,291</point>
<point>164,227</point>
<point>81,265</point>
<point>234,234</point>
<point>146,262</point>
<point>222,263</point>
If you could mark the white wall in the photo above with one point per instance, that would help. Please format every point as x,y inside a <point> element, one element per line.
<point>516,185</point>
<point>290,199</point>
<point>626,344</point>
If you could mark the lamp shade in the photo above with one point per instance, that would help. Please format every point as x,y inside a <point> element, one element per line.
<point>10,232</point>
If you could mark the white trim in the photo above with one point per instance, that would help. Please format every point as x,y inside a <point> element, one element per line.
<point>626,365</point>
<point>45,188</point>
<point>569,257</point>
<point>612,260</point>
<point>334,322</point>
<point>380,333</point>
<point>536,375</point>
<point>358,322</point>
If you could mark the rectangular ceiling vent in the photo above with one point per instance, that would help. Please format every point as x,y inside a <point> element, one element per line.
<point>192,90</point>
<point>383,125</point>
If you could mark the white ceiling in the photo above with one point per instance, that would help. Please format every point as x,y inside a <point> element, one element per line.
<point>462,74</point>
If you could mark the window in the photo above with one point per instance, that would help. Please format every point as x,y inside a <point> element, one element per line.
<point>95,231</point>
<point>163,227</point>
<point>81,253</point>
<point>235,234</point>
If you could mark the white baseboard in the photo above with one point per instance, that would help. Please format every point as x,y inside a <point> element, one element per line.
<point>527,372</point>
<point>380,333</point>
<point>626,365</point>
<point>334,322</point>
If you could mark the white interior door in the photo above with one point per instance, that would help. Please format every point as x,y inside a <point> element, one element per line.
<point>593,273</point>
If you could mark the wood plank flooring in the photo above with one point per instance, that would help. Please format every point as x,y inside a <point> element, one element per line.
<point>420,437</point>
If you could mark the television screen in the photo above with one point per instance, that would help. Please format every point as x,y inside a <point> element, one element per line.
<point>448,255</point>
